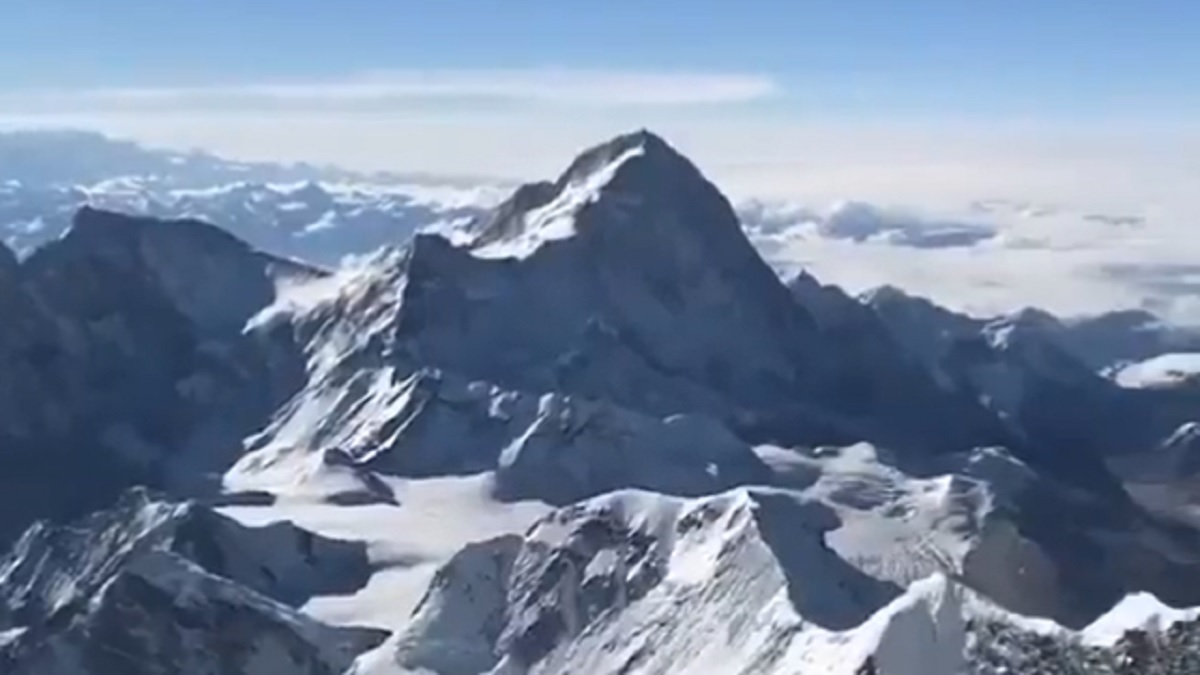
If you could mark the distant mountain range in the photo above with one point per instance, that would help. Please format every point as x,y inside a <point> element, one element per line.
<point>313,213</point>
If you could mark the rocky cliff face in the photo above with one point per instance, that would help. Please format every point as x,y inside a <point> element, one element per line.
<point>155,587</point>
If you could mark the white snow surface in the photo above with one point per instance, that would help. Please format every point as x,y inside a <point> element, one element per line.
<point>407,542</point>
<point>556,220</point>
<point>1167,370</point>
<point>1138,611</point>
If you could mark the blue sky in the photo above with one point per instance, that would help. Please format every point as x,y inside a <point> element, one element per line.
<point>1092,59</point>
<point>906,98</point>
<point>1062,107</point>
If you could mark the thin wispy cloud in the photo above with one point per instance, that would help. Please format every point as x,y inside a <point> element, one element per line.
<point>375,89</point>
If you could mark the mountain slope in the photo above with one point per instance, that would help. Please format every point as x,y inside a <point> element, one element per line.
<point>1027,367</point>
<point>153,587</point>
<point>127,362</point>
<point>584,587</point>
<point>592,315</point>
<point>629,280</point>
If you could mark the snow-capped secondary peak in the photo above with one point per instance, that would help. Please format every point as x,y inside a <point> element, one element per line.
<point>589,586</point>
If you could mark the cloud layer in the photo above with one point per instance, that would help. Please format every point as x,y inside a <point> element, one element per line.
<point>861,222</point>
<point>1068,260</point>
<point>982,218</point>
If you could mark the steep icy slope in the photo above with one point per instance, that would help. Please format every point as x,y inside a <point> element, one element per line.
<point>742,582</point>
<point>554,447</point>
<point>595,585</point>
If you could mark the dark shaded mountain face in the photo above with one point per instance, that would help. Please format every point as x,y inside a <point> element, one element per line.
<point>8,262</point>
<point>1107,340</point>
<point>126,361</point>
<point>1099,342</point>
<point>1039,375</point>
<point>1040,393</point>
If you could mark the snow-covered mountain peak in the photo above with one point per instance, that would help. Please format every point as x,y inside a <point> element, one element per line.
<point>652,321</point>
<point>642,143</point>
<point>1135,612</point>
<point>541,212</point>
<point>628,191</point>
<point>151,576</point>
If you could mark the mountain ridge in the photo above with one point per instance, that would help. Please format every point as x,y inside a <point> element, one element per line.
<point>609,360</point>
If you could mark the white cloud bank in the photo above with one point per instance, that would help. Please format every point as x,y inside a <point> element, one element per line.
<point>1067,260</point>
<point>983,217</point>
